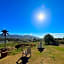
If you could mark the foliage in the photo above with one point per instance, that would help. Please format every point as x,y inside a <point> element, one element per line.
<point>61,41</point>
<point>49,40</point>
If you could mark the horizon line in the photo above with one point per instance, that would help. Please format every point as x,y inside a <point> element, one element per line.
<point>55,35</point>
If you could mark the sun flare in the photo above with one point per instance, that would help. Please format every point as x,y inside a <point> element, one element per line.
<point>41,16</point>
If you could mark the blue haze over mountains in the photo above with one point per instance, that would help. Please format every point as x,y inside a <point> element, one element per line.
<point>20,36</point>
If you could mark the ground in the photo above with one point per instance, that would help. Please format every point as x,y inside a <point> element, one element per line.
<point>50,55</point>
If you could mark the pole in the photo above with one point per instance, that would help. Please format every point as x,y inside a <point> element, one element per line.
<point>5,41</point>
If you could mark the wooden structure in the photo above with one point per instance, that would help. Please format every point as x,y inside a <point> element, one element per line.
<point>3,52</point>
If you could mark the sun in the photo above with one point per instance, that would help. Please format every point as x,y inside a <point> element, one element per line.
<point>40,16</point>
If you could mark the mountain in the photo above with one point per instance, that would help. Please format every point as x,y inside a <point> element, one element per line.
<point>20,36</point>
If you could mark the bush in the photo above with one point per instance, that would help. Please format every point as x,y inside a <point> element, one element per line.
<point>56,43</point>
<point>61,41</point>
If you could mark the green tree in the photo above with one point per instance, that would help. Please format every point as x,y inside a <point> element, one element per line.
<point>49,39</point>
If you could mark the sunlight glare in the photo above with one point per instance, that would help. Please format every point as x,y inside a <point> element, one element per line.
<point>40,17</point>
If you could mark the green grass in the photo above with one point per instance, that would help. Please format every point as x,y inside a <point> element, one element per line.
<point>12,44</point>
<point>1,45</point>
<point>14,52</point>
<point>9,44</point>
<point>59,48</point>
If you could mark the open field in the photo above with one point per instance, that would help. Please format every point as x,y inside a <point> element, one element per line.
<point>50,55</point>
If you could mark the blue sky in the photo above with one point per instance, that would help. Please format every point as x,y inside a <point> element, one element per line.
<point>18,16</point>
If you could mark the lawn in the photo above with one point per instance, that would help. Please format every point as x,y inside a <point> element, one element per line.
<point>50,55</point>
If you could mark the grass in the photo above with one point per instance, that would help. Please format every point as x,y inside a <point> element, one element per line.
<point>14,52</point>
<point>50,55</point>
<point>59,48</point>
<point>11,45</point>
<point>1,45</point>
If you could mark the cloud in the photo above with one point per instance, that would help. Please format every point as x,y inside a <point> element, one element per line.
<point>58,35</point>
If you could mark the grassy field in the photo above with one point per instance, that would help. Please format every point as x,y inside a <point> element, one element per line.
<point>11,45</point>
<point>50,55</point>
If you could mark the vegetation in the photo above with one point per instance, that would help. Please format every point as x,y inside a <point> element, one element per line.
<point>50,55</point>
<point>11,48</point>
<point>4,33</point>
<point>49,40</point>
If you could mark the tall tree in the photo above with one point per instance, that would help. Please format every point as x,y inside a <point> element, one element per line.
<point>4,33</point>
<point>49,39</point>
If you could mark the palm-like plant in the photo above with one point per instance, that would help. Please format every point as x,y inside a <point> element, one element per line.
<point>4,33</point>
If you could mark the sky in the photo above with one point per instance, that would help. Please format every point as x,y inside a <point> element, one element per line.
<point>20,16</point>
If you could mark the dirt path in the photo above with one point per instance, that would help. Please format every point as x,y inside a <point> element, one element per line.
<point>10,59</point>
<point>35,59</point>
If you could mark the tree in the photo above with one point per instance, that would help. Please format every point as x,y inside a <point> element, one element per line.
<point>49,39</point>
<point>4,33</point>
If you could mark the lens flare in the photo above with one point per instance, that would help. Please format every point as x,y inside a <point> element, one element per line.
<point>40,17</point>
